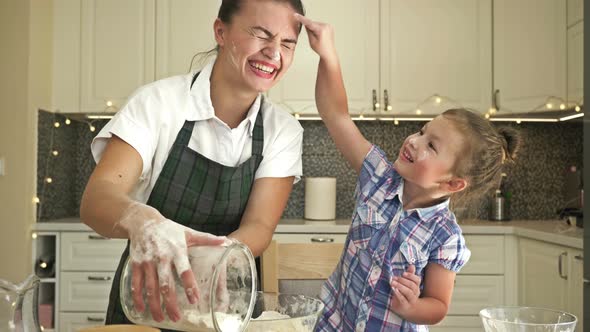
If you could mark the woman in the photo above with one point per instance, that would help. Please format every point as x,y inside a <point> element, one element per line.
<point>197,154</point>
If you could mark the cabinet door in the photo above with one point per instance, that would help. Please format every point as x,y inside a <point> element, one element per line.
<point>117,51</point>
<point>458,324</point>
<point>529,53</point>
<point>541,284</point>
<point>357,31</point>
<point>575,64</point>
<point>86,251</point>
<point>73,322</point>
<point>575,11</point>
<point>576,286</point>
<point>184,28</point>
<point>436,47</point>
<point>85,291</point>
<point>473,293</point>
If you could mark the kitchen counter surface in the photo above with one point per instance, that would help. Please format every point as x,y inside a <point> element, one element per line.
<point>553,231</point>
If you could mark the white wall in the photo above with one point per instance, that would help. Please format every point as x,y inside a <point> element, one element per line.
<point>24,76</point>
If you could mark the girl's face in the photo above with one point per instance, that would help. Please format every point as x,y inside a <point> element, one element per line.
<point>427,157</point>
<point>257,47</point>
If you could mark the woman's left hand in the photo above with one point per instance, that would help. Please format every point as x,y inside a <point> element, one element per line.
<point>406,290</point>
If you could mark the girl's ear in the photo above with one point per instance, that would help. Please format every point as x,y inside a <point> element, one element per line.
<point>454,185</point>
<point>219,31</point>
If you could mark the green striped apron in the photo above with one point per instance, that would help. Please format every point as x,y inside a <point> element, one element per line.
<point>198,193</point>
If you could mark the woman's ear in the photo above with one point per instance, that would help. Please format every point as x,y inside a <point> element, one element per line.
<point>454,185</point>
<point>219,31</point>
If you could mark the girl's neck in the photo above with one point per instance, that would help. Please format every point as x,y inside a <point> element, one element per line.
<point>414,197</point>
<point>230,100</point>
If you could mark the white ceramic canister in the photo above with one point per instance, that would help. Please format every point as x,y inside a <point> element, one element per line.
<point>320,198</point>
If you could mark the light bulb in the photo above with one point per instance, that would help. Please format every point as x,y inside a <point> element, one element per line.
<point>389,108</point>
<point>438,100</point>
<point>361,116</point>
<point>377,105</point>
<point>487,115</point>
<point>92,128</point>
<point>55,153</point>
<point>418,111</point>
<point>493,110</point>
<point>56,124</point>
<point>549,105</point>
<point>36,200</point>
<point>296,115</point>
<point>518,121</point>
<point>577,108</point>
<point>109,103</point>
<point>43,265</point>
<point>396,122</point>
<point>34,235</point>
<point>68,121</point>
<point>561,106</point>
<point>48,180</point>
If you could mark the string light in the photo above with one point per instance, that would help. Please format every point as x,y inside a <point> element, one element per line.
<point>418,111</point>
<point>561,106</point>
<point>56,124</point>
<point>55,153</point>
<point>36,200</point>
<point>438,99</point>
<point>109,103</point>
<point>487,115</point>
<point>92,128</point>
<point>48,180</point>
<point>396,122</point>
<point>68,121</point>
<point>577,108</point>
<point>34,235</point>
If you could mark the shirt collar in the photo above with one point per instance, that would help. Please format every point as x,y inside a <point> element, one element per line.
<point>425,213</point>
<point>203,107</point>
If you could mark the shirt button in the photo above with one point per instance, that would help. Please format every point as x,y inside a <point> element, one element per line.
<point>375,273</point>
<point>360,326</point>
<point>382,247</point>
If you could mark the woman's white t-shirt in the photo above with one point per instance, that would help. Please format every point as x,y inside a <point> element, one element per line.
<point>155,113</point>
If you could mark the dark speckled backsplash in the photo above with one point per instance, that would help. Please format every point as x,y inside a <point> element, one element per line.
<point>535,180</point>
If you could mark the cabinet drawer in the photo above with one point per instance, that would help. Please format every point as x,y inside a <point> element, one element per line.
<point>487,254</point>
<point>309,238</point>
<point>85,291</point>
<point>73,322</point>
<point>458,324</point>
<point>86,251</point>
<point>473,293</point>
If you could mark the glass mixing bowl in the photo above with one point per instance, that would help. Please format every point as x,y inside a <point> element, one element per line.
<point>526,319</point>
<point>284,312</point>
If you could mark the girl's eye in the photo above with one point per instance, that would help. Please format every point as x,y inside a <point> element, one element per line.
<point>430,145</point>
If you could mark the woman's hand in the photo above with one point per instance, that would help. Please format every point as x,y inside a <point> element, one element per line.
<point>321,38</point>
<point>157,246</point>
<point>406,290</point>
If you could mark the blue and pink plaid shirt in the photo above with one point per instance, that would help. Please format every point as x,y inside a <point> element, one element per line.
<point>383,240</point>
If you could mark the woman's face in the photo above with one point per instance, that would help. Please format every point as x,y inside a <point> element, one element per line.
<point>258,45</point>
<point>428,156</point>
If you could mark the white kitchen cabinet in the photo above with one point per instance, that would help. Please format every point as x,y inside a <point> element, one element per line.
<point>357,42</point>
<point>576,286</point>
<point>184,29</point>
<point>103,51</point>
<point>75,321</point>
<point>575,12</point>
<point>117,51</point>
<point>551,277</point>
<point>575,64</point>
<point>433,48</point>
<point>529,53</point>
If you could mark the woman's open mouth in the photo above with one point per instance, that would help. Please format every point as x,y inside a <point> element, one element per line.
<point>261,69</point>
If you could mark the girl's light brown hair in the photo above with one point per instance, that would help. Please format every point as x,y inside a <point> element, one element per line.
<point>487,150</point>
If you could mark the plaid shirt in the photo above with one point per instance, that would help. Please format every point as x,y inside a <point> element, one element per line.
<point>383,240</point>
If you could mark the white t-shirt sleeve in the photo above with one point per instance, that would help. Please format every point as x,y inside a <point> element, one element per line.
<point>136,124</point>
<point>282,156</point>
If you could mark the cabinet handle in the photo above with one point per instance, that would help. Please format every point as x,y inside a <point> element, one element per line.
<point>560,265</point>
<point>386,100</point>
<point>96,237</point>
<point>579,257</point>
<point>94,319</point>
<point>495,100</point>
<point>322,239</point>
<point>375,102</point>
<point>586,281</point>
<point>94,278</point>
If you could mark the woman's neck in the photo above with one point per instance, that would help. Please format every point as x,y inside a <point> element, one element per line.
<point>415,197</point>
<point>231,101</point>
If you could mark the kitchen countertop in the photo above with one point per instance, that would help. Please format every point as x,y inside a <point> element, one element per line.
<point>552,231</point>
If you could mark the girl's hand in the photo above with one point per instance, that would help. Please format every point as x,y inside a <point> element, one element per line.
<point>406,290</point>
<point>321,38</point>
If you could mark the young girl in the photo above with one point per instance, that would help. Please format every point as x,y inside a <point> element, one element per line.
<point>404,246</point>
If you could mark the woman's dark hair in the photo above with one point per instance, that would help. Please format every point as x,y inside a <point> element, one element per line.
<point>487,150</point>
<point>229,8</point>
